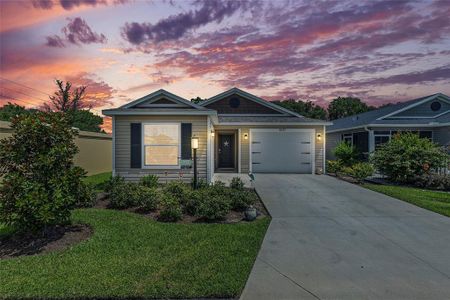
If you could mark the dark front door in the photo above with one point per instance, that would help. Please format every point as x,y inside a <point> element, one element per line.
<point>226,150</point>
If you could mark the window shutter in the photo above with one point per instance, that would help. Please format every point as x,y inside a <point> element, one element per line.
<point>136,146</point>
<point>186,135</point>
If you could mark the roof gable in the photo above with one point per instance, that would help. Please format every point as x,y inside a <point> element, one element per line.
<point>252,105</point>
<point>430,107</point>
<point>161,99</point>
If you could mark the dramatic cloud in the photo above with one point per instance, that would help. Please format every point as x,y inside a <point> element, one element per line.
<point>176,26</point>
<point>77,32</point>
<point>98,92</point>
<point>66,4</point>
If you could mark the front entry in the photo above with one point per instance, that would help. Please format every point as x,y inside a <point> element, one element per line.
<point>226,149</point>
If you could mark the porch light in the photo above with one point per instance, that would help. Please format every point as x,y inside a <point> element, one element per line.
<point>319,136</point>
<point>194,142</point>
<point>212,133</point>
<point>245,136</point>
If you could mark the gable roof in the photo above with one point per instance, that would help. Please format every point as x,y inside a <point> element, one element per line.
<point>254,98</point>
<point>164,93</point>
<point>132,108</point>
<point>378,116</point>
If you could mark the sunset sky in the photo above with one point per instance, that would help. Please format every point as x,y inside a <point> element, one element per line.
<point>378,51</point>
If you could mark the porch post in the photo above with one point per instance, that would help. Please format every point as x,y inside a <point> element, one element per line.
<point>371,141</point>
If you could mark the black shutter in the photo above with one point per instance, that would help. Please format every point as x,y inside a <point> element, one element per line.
<point>186,135</point>
<point>136,141</point>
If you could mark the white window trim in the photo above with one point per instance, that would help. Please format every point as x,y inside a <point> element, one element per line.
<point>350,135</point>
<point>143,165</point>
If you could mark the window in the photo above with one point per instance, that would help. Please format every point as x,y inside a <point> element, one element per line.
<point>435,106</point>
<point>161,142</point>
<point>348,138</point>
<point>426,134</point>
<point>381,137</point>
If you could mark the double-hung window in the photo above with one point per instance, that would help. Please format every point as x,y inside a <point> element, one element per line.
<point>348,138</point>
<point>161,144</point>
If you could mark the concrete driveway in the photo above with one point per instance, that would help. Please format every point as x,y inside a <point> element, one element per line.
<point>330,239</point>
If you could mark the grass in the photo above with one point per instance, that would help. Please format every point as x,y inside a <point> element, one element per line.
<point>132,256</point>
<point>436,201</point>
<point>98,180</point>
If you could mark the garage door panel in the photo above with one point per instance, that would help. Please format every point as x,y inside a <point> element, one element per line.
<point>281,152</point>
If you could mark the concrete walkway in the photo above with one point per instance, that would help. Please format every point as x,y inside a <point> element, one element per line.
<point>330,239</point>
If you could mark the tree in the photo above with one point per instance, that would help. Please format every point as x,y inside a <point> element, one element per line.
<point>70,101</point>
<point>342,107</point>
<point>197,100</point>
<point>10,111</point>
<point>65,100</point>
<point>407,155</point>
<point>305,108</point>
<point>40,184</point>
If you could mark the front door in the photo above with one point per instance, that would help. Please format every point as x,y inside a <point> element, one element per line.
<point>226,151</point>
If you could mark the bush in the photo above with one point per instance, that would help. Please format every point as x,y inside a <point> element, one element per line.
<point>346,153</point>
<point>212,206</point>
<point>177,189</point>
<point>146,198</point>
<point>361,171</point>
<point>113,181</point>
<point>121,195</point>
<point>201,183</point>
<point>334,166</point>
<point>40,184</point>
<point>237,183</point>
<point>170,209</point>
<point>433,181</point>
<point>407,156</point>
<point>150,181</point>
<point>242,199</point>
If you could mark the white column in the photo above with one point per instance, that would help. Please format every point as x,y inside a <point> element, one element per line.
<point>371,141</point>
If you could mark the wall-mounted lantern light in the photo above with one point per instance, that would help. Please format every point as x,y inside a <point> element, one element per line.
<point>212,133</point>
<point>245,136</point>
<point>319,136</point>
<point>194,145</point>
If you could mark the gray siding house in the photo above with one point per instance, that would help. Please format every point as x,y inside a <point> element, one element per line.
<point>428,116</point>
<point>237,132</point>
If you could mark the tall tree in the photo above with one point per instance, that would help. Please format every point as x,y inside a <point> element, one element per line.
<point>11,110</point>
<point>305,108</point>
<point>342,107</point>
<point>65,99</point>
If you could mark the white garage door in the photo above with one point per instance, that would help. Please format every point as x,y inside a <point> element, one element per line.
<point>282,151</point>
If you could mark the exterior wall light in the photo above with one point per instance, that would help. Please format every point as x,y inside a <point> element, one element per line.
<point>319,136</point>
<point>194,142</point>
<point>212,133</point>
<point>194,145</point>
<point>245,136</point>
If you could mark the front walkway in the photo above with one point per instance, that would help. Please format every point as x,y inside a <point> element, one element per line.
<point>329,239</point>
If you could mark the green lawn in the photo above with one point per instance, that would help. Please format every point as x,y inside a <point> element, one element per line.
<point>432,200</point>
<point>132,256</point>
<point>98,180</point>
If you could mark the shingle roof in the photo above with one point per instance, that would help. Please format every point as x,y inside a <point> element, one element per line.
<point>371,117</point>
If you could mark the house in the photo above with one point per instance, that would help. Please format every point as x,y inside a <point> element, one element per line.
<point>237,132</point>
<point>428,116</point>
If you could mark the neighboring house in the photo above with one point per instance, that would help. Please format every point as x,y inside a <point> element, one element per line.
<point>237,131</point>
<point>428,116</point>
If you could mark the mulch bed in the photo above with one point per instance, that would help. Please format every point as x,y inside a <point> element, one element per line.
<point>232,216</point>
<point>52,239</point>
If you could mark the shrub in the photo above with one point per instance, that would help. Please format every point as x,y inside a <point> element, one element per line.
<point>150,181</point>
<point>40,184</point>
<point>170,208</point>
<point>347,171</point>
<point>146,198</point>
<point>334,166</point>
<point>201,183</point>
<point>361,171</point>
<point>433,181</point>
<point>113,181</point>
<point>212,206</point>
<point>407,155</point>
<point>346,153</point>
<point>122,195</point>
<point>217,188</point>
<point>237,183</point>
<point>242,199</point>
<point>177,189</point>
